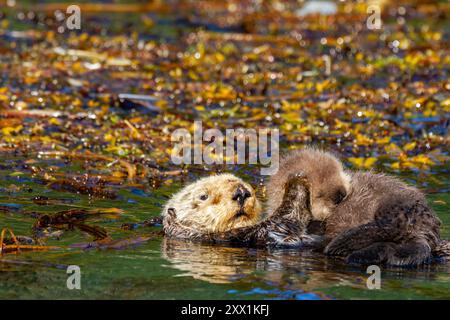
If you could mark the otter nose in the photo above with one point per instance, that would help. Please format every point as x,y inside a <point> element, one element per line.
<point>241,194</point>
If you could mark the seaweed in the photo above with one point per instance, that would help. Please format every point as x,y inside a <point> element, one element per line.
<point>15,244</point>
<point>71,219</point>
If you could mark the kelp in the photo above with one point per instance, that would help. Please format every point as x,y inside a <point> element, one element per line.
<point>113,101</point>
<point>119,244</point>
<point>75,215</point>
<point>71,219</point>
<point>131,169</point>
<point>84,186</point>
<point>13,245</point>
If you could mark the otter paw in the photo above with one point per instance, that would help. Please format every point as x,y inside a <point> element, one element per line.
<point>298,178</point>
<point>283,240</point>
<point>296,184</point>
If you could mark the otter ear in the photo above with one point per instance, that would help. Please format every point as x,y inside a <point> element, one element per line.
<point>172,213</point>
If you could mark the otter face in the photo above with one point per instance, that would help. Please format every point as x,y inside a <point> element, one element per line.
<point>325,173</point>
<point>215,204</point>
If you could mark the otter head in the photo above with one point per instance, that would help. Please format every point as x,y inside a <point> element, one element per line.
<point>325,173</point>
<point>215,204</point>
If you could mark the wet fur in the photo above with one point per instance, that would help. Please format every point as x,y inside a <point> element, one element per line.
<point>285,227</point>
<point>325,174</point>
<point>196,217</point>
<point>381,220</point>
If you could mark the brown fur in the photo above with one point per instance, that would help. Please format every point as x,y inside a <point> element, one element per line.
<point>329,182</point>
<point>369,218</point>
<point>380,220</point>
<point>284,227</point>
<point>383,220</point>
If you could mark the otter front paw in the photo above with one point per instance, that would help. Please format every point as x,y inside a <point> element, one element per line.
<point>294,241</point>
<point>296,191</point>
<point>296,180</point>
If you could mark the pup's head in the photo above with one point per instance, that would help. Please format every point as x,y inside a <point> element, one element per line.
<point>325,173</point>
<point>215,204</point>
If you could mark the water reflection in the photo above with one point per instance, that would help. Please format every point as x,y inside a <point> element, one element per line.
<point>281,268</point>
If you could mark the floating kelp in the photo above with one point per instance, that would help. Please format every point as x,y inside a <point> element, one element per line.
<point>89,156</point>
<point>70,219</point>
<point>118,244</point>
<point>84,186</point>
<point>16,244</point>
<point>45,201</point>
<point>115,100</point>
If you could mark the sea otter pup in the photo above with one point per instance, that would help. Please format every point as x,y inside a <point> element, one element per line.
<point>325,173</point>
<point>369,217</point>
<point>223,208</point>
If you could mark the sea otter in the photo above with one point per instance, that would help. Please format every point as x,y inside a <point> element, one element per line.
<point>328,181</point>
<point>211,205</point>
<point>368,218</point>
<point>223,208</point>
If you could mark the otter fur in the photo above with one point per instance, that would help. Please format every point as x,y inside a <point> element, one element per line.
<point>325,173</point>
<point>378,219</point>
<point>211,205</point>
<point>383,220</point>
<point>183,218</point>
<point>365,217</point>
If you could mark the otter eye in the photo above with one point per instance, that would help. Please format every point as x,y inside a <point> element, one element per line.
<point>338,196</point>
<point>203,197</point>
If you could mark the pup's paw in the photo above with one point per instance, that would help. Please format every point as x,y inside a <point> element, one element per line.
<point>295,179</point>
<point>293,241</point>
